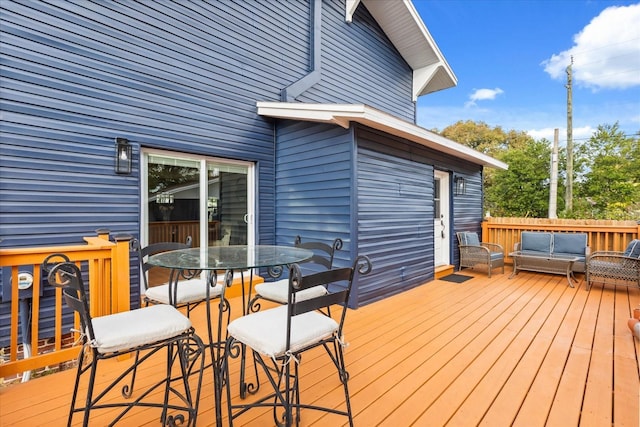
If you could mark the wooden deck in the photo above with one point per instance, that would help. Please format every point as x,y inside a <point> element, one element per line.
<point>528,351</point>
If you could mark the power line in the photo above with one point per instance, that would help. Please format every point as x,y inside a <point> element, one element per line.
<point>607,46</point>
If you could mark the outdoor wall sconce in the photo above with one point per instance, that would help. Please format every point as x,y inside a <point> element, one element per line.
<point>165,205</point>
<point>164,199</point>
<point>460,186</point>
<point>123,156</point>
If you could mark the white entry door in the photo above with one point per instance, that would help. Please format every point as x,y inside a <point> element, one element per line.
<point>441,218</point>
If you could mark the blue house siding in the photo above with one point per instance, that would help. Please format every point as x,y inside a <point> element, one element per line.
<point>185,76</point>
<point>395,223</point>
<point>395,210</point>
<point>388,203</point>
<point>360,65</point>
<point>180,76</point>
<point>467,209</point>
<point>313,184</point>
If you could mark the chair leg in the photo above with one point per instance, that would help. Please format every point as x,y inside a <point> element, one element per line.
<point>89,400</point>
<point>190,354</point>
<point>344,378</point>
<point>289,392</point>
<point>79,372</point>
<point>167,383</point>
<point>285,380</point>
<point>296,387</point>
<point>127,390</point>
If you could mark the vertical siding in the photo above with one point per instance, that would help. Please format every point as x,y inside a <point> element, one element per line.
<point>360,65</point>
<point>313,184</point>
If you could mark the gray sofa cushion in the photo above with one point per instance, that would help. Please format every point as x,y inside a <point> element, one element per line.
<point>496,256</point>
<point>570,244</point>
<point>536,242</point>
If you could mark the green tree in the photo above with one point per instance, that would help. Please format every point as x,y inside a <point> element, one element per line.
<point>608,177</point>
<point>606,172</point>
<point>523,189</point>
<point>481,137</point>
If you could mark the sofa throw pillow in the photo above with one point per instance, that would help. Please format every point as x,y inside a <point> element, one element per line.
<point>633,249</point>
<point>471,238</point>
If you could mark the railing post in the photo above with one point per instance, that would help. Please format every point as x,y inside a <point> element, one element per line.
<point>103,233</point>
<point>485,230</point>
<point>101,279</point>
<point>120,273</point>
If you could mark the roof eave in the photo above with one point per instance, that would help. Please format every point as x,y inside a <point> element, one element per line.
<point>344,114</point>
<point>405,29</point>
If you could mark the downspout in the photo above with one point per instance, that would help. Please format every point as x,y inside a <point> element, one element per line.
<point>291,92</point>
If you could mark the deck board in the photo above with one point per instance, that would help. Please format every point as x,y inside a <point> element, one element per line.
<point>548,369</point>
<point>528,351</point>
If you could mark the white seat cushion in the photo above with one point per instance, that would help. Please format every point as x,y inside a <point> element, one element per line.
<point>193,290</point>
<point>130,329</point>
<point>266,331</point>
<point>279,291</point>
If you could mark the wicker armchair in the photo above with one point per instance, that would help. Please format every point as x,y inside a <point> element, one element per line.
<point>615,268</point>
<point>473,252</point>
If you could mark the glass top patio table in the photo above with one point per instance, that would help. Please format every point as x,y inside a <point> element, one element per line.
<point>229,258</point>
<point>237,257</point>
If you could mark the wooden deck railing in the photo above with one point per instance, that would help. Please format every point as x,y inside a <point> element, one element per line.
<point>107,264</point>
<point>602,235</point>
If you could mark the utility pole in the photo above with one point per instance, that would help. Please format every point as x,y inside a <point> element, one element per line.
<point>569,192</point>
<point>553,189</point>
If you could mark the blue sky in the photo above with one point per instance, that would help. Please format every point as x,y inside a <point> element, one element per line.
<point>510,59</point>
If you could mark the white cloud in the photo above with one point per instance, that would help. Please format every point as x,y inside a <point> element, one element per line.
<point>606,52</point>
<point>578,134</point>
<point>483,95</point>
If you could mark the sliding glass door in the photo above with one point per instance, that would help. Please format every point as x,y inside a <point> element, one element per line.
<point>209,199</point>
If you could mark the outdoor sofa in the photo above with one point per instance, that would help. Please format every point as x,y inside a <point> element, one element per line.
<point>537,246</point>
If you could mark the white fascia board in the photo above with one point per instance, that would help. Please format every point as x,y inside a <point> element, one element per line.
<point>405,29</point>
<point>344,114</point>
<point>350,9</point>
<point>420,83</point>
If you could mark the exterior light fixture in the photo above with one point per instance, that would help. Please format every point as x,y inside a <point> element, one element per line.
<point>123,156</point>
<point>164,199</point>
<point>460,186</point>
<point>165,205</point>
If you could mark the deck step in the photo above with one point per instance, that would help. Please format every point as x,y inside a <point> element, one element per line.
<point>443,270</point>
